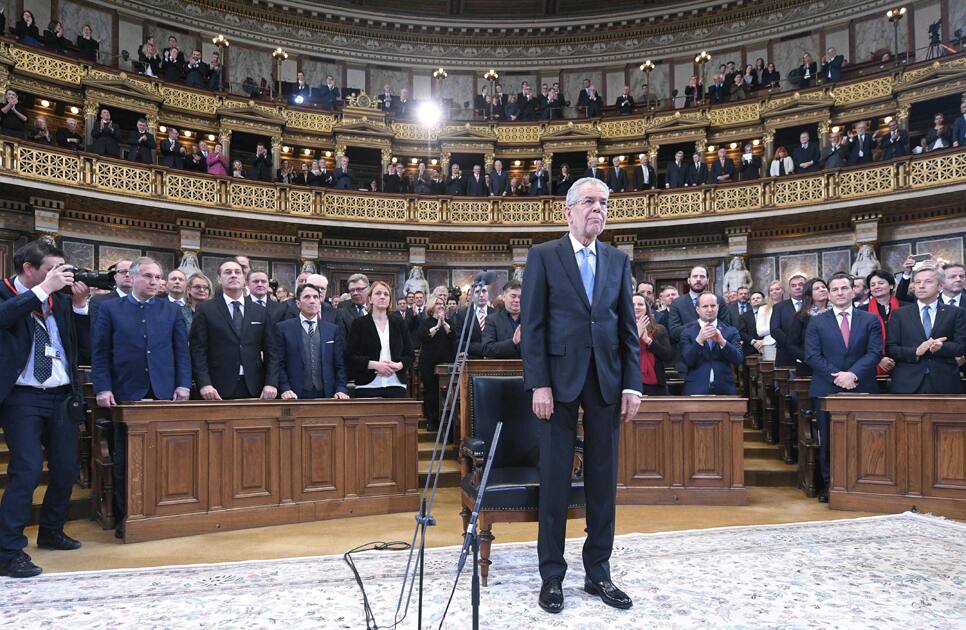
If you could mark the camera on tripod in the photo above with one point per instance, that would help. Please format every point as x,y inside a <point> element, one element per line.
<point>93,279</point>
<point>934,37</point>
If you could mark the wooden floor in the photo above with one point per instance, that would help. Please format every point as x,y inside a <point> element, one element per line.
<point>102,551</point>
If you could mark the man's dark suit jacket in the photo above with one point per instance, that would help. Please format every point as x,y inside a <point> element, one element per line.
<point>894,148</point>
<point>262,168</point>
<point>498,336</point>
<point>825,352</point>
<point>63,134</point>
<point>499,183</point>
<point>17,335</point>
<point>676,175</point>
<point>594,107</point>
<point>475,350</point>
<point>137,347</point>
<point>832,70</point>
<point>701,359</point>
<point>959,130</point>
<point>345,315</point>
<point>563,185</point>
<point>171,155</point>
<point>364,346</point>
<point>697,174</point>
<point>291,368</point>
<point>455,186</point>
<point>746,325</point>
<point>904,333</point>
<point>217,351</point>
<point>750,170</point>
<point>390,183</point>
<point>681,313</point>
<point>141,150</point>
<point>596,172</point>
<point>660,317</point>
<point>542,176</point>
<point>780,326</point>
<point>809,154</point>
<point>717,169</point>
<point>835,157</point>
<point>106,140</point>
<point>651,178</point>
<point>617,180</point>
<point>476,187</point>
<point>328,96</point>
<point>865,146</point>
<point>291,311</point>
<point>196,75</point>
<point>563,331</point>
<point>343,179</point>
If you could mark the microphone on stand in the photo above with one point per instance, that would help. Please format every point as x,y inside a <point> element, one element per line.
<point>484,278</point>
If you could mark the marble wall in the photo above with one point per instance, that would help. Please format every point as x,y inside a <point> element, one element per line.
<point>395,78</point>
<point>615,85</point>
<point>788,55</point>
<point>511,82</point>
<point>574,81</point>
<point>130,36</point>
<point>316,70</point>
<point>839,40</point>
<point>873,34</point>
<point>459,87</point>
<point>682,74</point>
<point>957,17</point>
<point>422,87</point>
<point>74,15</point>
<point>248,62</point>
<point>40,9</point>
<point>355,78</point>
<point>660,82</point>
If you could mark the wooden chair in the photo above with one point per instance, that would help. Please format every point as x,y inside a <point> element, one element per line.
<point>513,491</point>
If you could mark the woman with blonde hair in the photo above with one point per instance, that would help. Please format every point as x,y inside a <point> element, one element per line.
<point>199,290</point>
<point>765,343</point>
<point>379,349</point>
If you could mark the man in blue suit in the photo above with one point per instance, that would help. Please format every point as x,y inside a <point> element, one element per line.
<point>843,345</point>
<point>710,349</point>
<point>139,350</point>
<point>580,350</point>
<point>311,352</point>
<point>39,345</point>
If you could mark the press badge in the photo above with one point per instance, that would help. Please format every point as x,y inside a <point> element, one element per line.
<point>51,352</point>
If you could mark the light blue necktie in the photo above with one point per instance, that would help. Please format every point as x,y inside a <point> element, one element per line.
<point>587,273</point>
<point>926,321</point>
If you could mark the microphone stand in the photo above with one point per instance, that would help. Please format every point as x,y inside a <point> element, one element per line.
<point>424,518</point>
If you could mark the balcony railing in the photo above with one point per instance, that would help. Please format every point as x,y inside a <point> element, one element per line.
<point>28,163</point>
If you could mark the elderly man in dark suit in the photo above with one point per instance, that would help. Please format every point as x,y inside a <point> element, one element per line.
<point>455,183</point>
<point>142,144</point>
<point>860,145</point>
<point>616,177</point>
<point>806,156</point>
<point>501,337</point>
<point>711,349</point>
<point>499,180</point>
<point>836,153</point>
<point>645,177</point>
<point>40,334</point>
<point>924,340</point>
<point>539,179</point>
<point>594,170</point>
<point>476,183</point>
<point>677,171</point>
<point>106,135</point>
<point>311,352</point>
<point>697,171</point>
<point>832,66</point>
<point>580,350</point>
<point>232,345</point>
<point>723,169</point>
<point>843,346</point>
<point>329,94</point>
<point>139,349</point>
<point>895,143</point>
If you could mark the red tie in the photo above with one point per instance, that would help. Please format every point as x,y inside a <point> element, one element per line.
<point>481,315</point>
<point>844,327</point>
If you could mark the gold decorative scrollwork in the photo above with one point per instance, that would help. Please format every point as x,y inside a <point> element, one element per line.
<point>349,206</point>
<point>736,114</point>
<point>938,170</point>
<point>311,121</point>
<point>679,204</point>
<point>556,208</point>
<point>121,177</point>
<point>868,181</point>
<point>622,128</point>
<point>518,134</point>
<point>521,211</point>
<point>46,66</point>
<point>200,190</point>
<point>251,196</point>
<point>737,198</point>
<point>860,91</point>
<point>428,210</point>
<point>190,101</point>
<point>630,208</point>
<point>301,201</point>
<point>798,191</point>
<point>412,131</point>
<point>55,167</point>
<point>467,211</point>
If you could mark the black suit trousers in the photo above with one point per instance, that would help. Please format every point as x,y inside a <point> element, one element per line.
<point>557,443</point>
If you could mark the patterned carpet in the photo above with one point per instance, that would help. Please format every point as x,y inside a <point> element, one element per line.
<point>902,571</point>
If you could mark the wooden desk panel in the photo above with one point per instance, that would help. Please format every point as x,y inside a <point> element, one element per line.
<point>891,453</point>
<point>200,466</point>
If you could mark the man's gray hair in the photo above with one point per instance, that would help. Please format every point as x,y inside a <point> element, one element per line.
<point>940,272</point>
<point>574,191</point>
<point>140,262</point>
<point>356,277</point>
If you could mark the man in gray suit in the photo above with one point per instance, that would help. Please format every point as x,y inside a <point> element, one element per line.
<point>836,154</point>
<point>580,350</point>
<point>499,180</point>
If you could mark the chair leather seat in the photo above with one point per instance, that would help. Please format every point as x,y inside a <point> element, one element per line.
<point>516,488</point>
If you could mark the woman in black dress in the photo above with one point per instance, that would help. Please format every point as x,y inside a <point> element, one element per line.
<point>436,333</point>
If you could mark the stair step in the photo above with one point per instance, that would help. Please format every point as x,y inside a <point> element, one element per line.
<point>770,472</point>
<point>80,504</point>
<point>449,473</point>
<point>426,450</point>
<point>761,450</point>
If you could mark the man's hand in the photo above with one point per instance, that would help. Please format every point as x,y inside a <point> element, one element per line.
<point>269,393</point>
<point>517,335</point>
<point>57,278</point>
<point>930,345</point>
<point>845,380</point>
<point>758,344</point>
<point>341,396</point>
<point>105,399</point>
<point>289,395</point>
<point>543,402</point>
<point>181,393</point>
<point>718,338</point>
<point>886,364</point>
<point>209,393</point>
<point>79,294</point>
<point>630,403</point>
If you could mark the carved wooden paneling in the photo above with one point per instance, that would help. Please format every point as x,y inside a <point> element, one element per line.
<point>177,487</point>
<point>646,461</point>
<point>380,464</point>
<point>946,472</point>
<point>876,441</point>
<point>253,470</point>
<point>704,463</point>
<point>322,461</point>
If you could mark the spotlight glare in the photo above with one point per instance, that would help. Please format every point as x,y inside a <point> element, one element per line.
<point>44,103</point>
<point>299,99</point>
<point>74,110</point>
<point>429,114</point>
<point>163,129</point>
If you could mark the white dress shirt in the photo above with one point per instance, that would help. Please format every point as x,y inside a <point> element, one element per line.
<point>384,355</point>
<point>60,375</point>
<point>933,309</point>
<point>231,313</point>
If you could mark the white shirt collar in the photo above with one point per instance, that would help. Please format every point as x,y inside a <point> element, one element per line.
<point>577,245</point>
<point>838,311</point>
<point>120,293</point>
<point>303,319</point>
<point>229,300</point>
<point>19,285</point>
<point>175,300</point>
<point>922,305</point>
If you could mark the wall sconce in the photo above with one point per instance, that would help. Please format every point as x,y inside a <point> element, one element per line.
<point>163,129</point>
<point>44,103</point>
<point>286,149</point>
<point>187,133</point>
<point>710,148</point>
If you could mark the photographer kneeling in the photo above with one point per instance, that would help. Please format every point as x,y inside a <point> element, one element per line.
<point>40,396</point>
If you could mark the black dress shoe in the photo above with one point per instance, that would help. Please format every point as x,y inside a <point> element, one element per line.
<point>551,596</point>
<point>20,566</point>
<point>823,496</point>
<point>608,593</point>
<point>59,541</point>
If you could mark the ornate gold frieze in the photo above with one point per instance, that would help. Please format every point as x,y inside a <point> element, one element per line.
<point>133,180</point>
<point>620,128</point>
<point>34,163</point>
<point>46,66</point>
<point>469,211</point>
<point>414,132</point>
<point>301,201</point>
<point>798,191</point>
<point>310,121</point>
<point>518,134</point>
<point>868,181</point>
<point>521,211</point>
<point>200,190</point>
<point>629,208</point>
<point>365,208</point>
<point>732,198</point>
<point>678,204</point>
<point>428,210</point>
<point>190,101</point>
<point>735,115</point>
<point>253,197</point>
<point>938,170</point>
<point>861,91</point>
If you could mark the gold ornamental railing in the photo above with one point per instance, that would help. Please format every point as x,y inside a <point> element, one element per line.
<point>78,173</point>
